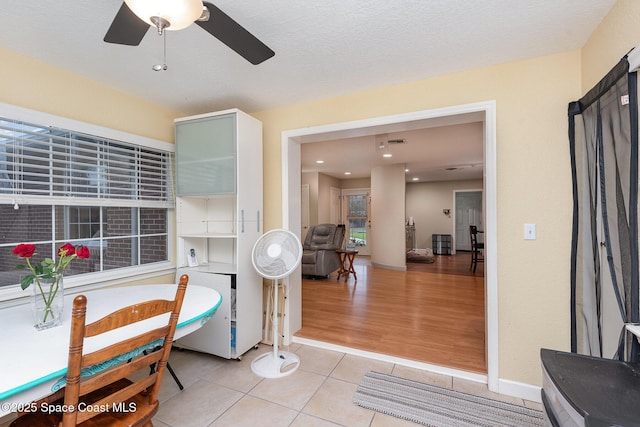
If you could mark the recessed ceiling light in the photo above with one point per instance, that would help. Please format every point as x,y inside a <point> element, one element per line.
<point>347,173</point>
<point>387,155</point>
<point>415,179</point>
<point>319,161</point>
<point>406,170</point>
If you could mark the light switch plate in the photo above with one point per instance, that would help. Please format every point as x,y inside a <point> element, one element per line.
<point>529,232</point>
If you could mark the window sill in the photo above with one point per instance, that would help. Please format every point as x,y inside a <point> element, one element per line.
<point>13,295</point>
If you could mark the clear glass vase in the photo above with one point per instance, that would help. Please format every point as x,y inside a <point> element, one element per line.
<point>47,301</point>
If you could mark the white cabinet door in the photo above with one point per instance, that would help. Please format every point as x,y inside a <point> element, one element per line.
<point>206,156</point>
<point>249,176</point>
<point>213,337</point>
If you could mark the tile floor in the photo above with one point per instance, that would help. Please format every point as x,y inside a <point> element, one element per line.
<point>226,393</point>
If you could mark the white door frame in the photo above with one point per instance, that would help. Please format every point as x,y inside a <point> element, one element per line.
<point>291,172</point>
<point>363,250</point>
<point>304,211</point>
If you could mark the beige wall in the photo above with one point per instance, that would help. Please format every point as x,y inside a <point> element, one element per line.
<point>30,84</point>
<point>319,196</point>
<point>355,183</point>
<point>534,183</point>
<point>425,202</point>
<point>387,217</point>
<point>532,158</point>
<point>616,35</point>
<point>325,182</point>
<point>312,178</point>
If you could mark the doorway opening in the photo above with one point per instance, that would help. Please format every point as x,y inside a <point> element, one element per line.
<point>291,179</point>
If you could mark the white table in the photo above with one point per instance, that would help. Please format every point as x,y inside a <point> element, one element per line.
<point>31,361</point>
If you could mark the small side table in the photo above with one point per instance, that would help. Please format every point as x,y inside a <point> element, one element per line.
<point>346,263</point>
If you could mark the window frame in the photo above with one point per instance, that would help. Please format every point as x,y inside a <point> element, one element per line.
<point>10,295</point>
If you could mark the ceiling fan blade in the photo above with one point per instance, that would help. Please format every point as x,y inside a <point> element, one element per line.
<point>126,28</point>
<point>229,32</point>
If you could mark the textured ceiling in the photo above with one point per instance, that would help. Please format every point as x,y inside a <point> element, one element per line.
<point>323,49</point>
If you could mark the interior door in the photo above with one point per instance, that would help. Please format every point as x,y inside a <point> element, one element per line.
<point>356,214</point>
<point>468,209</point>
<point>335,214</point>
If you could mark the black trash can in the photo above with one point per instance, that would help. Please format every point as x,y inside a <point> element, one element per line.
<point>580,390</point>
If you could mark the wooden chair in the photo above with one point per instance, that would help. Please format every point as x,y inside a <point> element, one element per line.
<point>109,397</point>
<point>476,247</point>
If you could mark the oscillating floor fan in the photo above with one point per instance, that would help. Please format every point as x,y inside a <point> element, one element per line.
<point>275,255</point>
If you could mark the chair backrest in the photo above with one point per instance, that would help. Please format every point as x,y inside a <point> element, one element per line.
<point>473,232</point>
<point>324,237</point>
<point>339,237</point>
<point>122,359</point>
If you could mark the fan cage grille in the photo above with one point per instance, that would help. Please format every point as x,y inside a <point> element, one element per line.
<point>276,254</point>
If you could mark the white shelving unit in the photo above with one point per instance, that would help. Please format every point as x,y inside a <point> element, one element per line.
<point>219,216</point>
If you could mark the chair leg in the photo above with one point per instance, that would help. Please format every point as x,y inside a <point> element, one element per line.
<point>175,377</point>
<point>152,369</point>
<point>474,261</point>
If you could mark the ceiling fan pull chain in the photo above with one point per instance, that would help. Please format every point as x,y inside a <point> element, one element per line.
<point>162,67</point>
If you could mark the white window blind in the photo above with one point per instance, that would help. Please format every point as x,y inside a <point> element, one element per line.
<point>43,161</point>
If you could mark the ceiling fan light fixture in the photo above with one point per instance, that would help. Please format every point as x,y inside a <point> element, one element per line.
<point>167,14</point>
<point>205,15</point>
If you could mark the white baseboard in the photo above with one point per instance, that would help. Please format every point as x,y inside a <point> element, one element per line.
<point>469,376</point>
<point>521,390</point>
<point>506,387</point>
<point>389,267</point>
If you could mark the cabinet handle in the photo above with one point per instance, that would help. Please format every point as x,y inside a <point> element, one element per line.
<point>258,220</point>
<point>242,220</point>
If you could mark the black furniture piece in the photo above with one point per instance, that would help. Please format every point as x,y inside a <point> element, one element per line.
<point>476,248</point>
<point>441,244</point>
<point>579,390</point>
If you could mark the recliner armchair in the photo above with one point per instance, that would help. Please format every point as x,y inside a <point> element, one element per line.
<point>319,256</point>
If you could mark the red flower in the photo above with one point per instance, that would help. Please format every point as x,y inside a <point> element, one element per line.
<point>47,267</point>
<point>83,252</point>
<point>24,250</point>
<point>66,250</point>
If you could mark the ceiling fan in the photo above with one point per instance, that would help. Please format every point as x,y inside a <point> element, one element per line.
<point>136,16</point>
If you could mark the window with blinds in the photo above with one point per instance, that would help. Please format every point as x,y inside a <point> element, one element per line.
<point>46,161</point>
<point>59,185</point>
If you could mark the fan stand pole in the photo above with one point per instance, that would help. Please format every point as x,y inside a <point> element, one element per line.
<point>275,321</point>
<point>279,363</point>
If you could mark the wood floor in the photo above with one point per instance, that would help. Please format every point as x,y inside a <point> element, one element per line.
<point>433,313</point>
